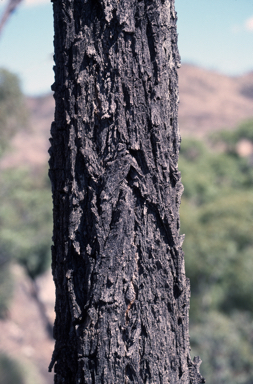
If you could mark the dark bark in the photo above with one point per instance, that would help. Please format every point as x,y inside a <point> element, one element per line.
<point>122,298</point>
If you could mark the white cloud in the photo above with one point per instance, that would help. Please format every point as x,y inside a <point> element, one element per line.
<point>249,24</point>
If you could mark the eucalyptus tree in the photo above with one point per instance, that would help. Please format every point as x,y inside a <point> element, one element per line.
<point>122,297</point>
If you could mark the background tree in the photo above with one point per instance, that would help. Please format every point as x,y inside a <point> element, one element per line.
<point>122,298</point>
<point>12,117</point>
<point>13,112</point>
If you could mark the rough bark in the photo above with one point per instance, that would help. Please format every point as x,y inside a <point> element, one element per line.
<point>122,298</point>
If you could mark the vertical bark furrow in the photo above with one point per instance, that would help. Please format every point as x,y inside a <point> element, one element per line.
<point>122,298</point>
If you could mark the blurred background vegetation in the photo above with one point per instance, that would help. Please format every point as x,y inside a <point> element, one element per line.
<point>25,215</point>
<point>216,216</point>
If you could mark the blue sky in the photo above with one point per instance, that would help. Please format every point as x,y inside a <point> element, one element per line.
<point>215,34</point>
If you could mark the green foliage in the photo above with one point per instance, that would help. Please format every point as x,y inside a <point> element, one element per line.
<point>26,219</point>
<point>209,172</point>
<point>225,345</point>
<point>231,138</point>
<point>219,249</point>
<point>217,218</point>
<point>13,114</point>
<point>10,371</point>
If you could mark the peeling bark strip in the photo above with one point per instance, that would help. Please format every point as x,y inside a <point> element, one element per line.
<point>122,298</point>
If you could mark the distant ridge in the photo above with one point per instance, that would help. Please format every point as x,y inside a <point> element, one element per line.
<point>210,101</point>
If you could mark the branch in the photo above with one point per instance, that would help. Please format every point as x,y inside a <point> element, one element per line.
<point>11,6</point>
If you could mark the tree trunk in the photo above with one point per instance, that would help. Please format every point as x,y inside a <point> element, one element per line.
<point>122,298</point>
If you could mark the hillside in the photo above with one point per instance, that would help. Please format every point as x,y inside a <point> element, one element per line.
<point>211,101</point>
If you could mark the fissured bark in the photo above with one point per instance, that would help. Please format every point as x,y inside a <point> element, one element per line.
<point>122,298</point>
